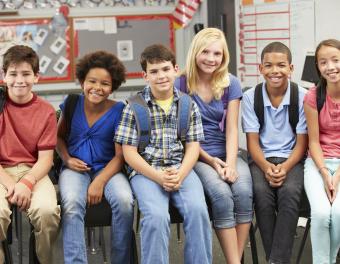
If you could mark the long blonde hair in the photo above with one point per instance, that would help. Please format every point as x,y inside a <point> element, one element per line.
<point>220,78</point>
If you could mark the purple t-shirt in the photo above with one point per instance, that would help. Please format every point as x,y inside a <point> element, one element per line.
<point>213,116</point>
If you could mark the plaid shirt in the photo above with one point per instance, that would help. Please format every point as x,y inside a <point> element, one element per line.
<point>165,148</point>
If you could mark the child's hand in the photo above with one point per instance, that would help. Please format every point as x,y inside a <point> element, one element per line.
<point>77,165</point>
<point>172,179</point>
<point>230,174</point>
<point>218,165</point>
<point>329,188</point>
<point>269,173</point>
<point>21,196</point>
<point>279,175</point>
<point>95,192</point>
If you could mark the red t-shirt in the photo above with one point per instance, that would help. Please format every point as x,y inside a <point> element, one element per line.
<point>26,129</point>
<point>329,124</point>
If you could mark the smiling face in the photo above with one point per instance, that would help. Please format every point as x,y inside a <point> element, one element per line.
<point>20,79</point>
<point>328,62</point>
<point>161,77</point>
<point>210,58</point>
<point>97,85</point>
<point>276,69</point>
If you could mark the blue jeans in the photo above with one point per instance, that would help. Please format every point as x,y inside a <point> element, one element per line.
<point>325,217</point>
<point>153,202</point>
<point>73,189</point>
<point>277,210</point>
<point>231,204</point>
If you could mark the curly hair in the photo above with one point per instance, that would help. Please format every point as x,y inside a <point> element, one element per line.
<point>104,60</point>
<point>201,41</point>
<point>18,54</point>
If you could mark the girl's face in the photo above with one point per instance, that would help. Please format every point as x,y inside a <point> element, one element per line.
<point>97,85</point>
<point>210,58</point>
<point>328,62</point>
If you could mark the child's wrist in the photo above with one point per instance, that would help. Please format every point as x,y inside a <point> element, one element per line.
<point>27,183</point>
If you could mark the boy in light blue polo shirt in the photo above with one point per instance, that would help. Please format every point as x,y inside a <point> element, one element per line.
<point>277,153</point>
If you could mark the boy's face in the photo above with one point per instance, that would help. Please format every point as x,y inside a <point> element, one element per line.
<point>20,79</point>
<point>161,77</point>
<point>97,85</point>
<point>276,69</point>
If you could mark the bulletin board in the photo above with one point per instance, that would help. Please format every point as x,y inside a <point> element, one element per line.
<point>259,22</point>
<point>53,49</point>
<point>124,36</point>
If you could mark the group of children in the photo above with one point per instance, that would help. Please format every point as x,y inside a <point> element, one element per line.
<point>179,140</point>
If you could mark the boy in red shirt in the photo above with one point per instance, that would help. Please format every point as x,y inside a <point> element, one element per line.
<point>27,140</point>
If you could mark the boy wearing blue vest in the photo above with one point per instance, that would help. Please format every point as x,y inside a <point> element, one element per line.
<point>277,149</point>
<point>162,171</point>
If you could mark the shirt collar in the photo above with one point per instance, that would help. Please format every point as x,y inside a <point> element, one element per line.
<point>149,97</point>
<point>266,101</point>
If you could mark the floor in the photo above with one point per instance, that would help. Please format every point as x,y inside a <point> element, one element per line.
<point>176,248</point>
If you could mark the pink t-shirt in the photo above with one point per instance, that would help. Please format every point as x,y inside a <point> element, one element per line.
<point>329,124</point>
<point>26,129</point>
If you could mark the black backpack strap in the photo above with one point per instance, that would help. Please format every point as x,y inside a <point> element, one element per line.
<point>70,106</point>
<point>183,115</point>
<point>320,97</point>
<point>142,117</point>
<point>293,108</point>
<point>2,99</point>
<point>258,104</point>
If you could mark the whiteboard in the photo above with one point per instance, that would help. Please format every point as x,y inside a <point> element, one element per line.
<point>258,23</point>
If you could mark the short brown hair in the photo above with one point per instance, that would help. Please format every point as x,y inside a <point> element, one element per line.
<point>278,47</point>
<point>18,54</point>
<point>156,53</point>
<point>104,60</point>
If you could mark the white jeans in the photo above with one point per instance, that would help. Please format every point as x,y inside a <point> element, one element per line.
<point>325,217</point>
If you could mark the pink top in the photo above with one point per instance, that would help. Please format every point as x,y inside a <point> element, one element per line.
<point>329,124</point>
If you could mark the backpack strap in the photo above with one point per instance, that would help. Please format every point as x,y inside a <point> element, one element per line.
<point>183,115</point>
<point>70,106</point>
<point>258,105</point>
<point>2,99</point>
<point>142,116</point>
<point>320,97</point>
<point>293,108</point>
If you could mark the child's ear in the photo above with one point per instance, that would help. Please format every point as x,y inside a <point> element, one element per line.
<point>176,68</point>
<point>291,67</point>
<point>145,76</point>
<point>36,78</point>
<point>260,67</point>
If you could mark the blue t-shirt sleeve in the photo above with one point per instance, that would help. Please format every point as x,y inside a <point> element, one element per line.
<point>301,127</point>
<point>235,90</point>
<point>250,122</point>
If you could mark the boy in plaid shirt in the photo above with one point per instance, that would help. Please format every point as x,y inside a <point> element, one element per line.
<point>162,172</point>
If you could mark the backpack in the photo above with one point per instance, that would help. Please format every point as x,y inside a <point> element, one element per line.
<point>293,108</point>
<point>2,99</point>
<point>70,105</point>
<point>320,97</point>
<point>141,113</point>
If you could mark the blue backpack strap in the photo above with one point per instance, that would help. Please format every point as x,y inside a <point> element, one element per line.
<point>2,99</point>
<point>142,116</point>
<point>184,114</point>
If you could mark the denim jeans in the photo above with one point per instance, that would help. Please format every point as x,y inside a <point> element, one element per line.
<point>153,202</point>
<point>231,204</point>
<point>277,210</point>
<point>325,217</point>
<point>73,189</point>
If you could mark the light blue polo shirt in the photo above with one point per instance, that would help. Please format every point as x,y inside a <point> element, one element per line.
<point>277,138</point>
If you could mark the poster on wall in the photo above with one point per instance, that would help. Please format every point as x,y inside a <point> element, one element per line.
<point>259,22</point>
